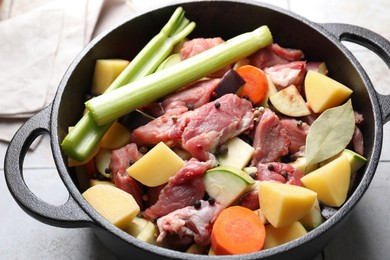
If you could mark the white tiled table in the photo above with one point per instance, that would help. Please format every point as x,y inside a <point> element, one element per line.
<point>365,236</point>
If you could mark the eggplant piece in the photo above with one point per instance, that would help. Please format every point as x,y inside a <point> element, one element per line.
<point>230,83</point>
<point>135,119</point>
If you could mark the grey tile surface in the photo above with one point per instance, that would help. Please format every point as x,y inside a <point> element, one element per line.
<point>364,236</point>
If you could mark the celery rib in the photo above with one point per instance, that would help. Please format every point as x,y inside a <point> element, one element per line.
<point>86,134</point>
<point>138,93</point>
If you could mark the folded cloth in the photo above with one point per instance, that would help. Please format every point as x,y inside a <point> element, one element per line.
<point>39,39</point>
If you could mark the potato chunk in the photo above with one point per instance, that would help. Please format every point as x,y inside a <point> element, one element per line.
<point>155,167</point>
<point>331,181</point>
<point>323,92</point>
<point>283,204</point>
<point>115,205</point>
<point>279,236</point>
<point>106,71</point>
<point>116,137</point>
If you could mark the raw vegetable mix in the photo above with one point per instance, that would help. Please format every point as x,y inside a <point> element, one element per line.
<point>213,146</point>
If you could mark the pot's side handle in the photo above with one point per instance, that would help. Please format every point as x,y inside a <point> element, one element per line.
<point>68,214</point>
<point>370,40</point>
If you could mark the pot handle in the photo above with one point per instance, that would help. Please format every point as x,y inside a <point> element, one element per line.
<point>68,214</point>
<point>373,42</point>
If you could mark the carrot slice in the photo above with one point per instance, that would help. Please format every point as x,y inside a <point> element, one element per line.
<point>237,230</point>
<point>256,83</point>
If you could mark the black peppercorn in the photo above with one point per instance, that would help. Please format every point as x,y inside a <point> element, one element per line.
<point>197,204</point>
<point>271,167</point>
<point>217,105</point>
<point>211,201</point>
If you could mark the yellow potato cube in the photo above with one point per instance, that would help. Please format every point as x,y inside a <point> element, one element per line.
<point>136,226</point>
<point>106,71</point>
<point>116,137</point>
<point>115,205</point>
<point>155,167</point>
<point>283,204</point>
<point>323,92</point>
<point>279,236</point>
<point>331,181</point>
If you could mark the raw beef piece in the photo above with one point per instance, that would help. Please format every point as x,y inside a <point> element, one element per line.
<point>271,140</point>
<point>200,131</point>
<point>173,197</point>
<point>284,75</point>
<point>182,190</point>
<point>195,46</point>
<point>215,123</point>
<point>279,172</point>
<point>250,200</point>
<point>274,55</point>
<point>187,98</point>
<point>190,221</point>
<point>120,161</point>
<point>297,132</point>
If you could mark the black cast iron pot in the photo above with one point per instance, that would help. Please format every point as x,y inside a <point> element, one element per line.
<point>214,18</point>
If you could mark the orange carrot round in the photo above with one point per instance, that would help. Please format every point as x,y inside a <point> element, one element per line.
<point>256,83</point>
<point>237,230</point>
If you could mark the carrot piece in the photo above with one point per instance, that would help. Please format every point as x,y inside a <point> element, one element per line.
<point>256,83</point>
<point>237,230</point>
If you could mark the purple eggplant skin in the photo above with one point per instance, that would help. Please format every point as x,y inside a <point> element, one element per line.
<point>230,83</point>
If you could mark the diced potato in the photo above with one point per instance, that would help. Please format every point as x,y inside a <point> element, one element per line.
<point>149,233</point>
<point>102,161</point>
<point>331,181</point>
<point>93,182</point>
<point>279,236</point>
<point>156,166</point>
<point>106,71</point>
<point>323,92</point>
<point>115,205</point>
<point>314,218</point>
<point>262,217</point>
<point>238,155</point>
<point>283,204</point>
<point>289,102</point>
<point>136,226</point>
<point>116,137</point>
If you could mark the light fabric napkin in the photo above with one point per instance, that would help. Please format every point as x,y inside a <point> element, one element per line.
<point>38,41</point>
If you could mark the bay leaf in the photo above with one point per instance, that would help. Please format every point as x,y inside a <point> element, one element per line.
<point>330,133</point>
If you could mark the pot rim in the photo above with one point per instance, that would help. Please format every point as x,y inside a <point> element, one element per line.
<point>341,214</point>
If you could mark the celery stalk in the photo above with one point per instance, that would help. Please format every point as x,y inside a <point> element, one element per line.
<point>86,134</point>
<point>138,93</point>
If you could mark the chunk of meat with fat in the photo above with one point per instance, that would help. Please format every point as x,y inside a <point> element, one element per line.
<point>271,140</point>
<point>273,55</point>
<point>200,131</point>
<point>120,160</point>
<point>187,98</point>
<point>190,221</point>
<point>215,123</point>
<point>284,75</point>
<point>195,46</point>
<point>297,132</point>
<point>182,190</point>
<point>279,172</point>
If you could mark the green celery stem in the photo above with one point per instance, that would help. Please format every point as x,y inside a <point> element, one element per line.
<point>86,134</point>
<point>117,103</point>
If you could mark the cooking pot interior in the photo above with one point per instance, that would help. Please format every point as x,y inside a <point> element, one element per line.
<point>213,18</point>
<point>225,19</point>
